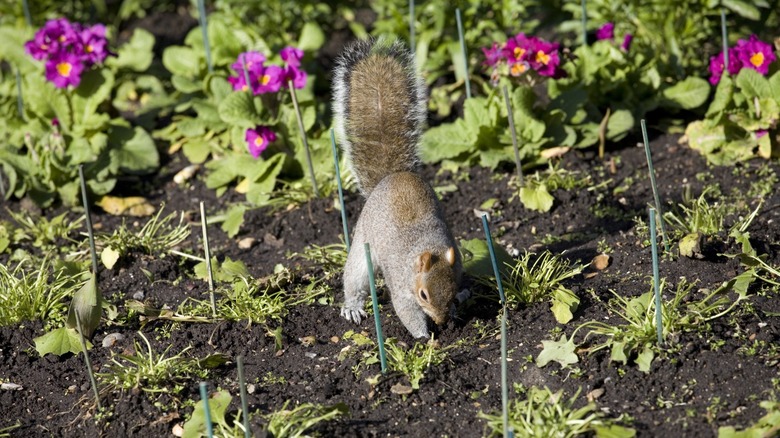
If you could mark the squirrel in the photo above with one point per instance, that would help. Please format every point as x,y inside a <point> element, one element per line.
<point>379,111</point>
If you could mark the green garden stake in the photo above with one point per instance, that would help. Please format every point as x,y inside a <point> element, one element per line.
<point>465,55</point>
<point>91,375</point>
<point>411,27</point>
<point>724,36</point>
<point>91,235</point>
<point>204,395</point>
<point>653,184</point>
<point>584,24</point>
<point>2,185</point>
<point>204,29</point>
<point>27,16</point>
<point>502,298</point>
<point>511,117</point>
<point>19,97</point>
<point>303,137</point>
<point>208,259</point>
<point>656,281</point>
<point>341,189</point>
<point>242,390</point>
<point>372,285</point>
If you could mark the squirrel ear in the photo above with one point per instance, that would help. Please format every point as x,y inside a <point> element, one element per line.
<point>424,262</point>
<point>450,255</point>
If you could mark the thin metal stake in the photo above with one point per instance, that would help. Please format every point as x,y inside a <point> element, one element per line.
<point>242,390</point>
<point>91,235</point>
<point>656,281</point>
<point>303,138</point>
<point>372,284</point>
<point>341,189</point>
<point>584,24</point>
<point>513,131</point>
<point>204,395</point>
<point>465,55</point>
<point>208,259</point>
<point>724,36</point>
<point>88,362</point>
<point>653,184</point>
<point>204,29</point>
<point>19,97</point>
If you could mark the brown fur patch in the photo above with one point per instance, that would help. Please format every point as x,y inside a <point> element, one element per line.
<point>410,197</point>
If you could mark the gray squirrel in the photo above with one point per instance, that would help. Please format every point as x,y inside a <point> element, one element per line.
<point>379,106</point>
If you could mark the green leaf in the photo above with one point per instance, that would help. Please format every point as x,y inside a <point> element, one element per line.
<point>705,138</point>
<point>690,245</point>
<point>197,150</point>
<point>445,141</point>
<point>182,61</point>
<point>534,196</point>
<point>87,303</point>
<point>743,8</point>
<point>59,341</point>
<point>238,108</point>
<point>234,218</point>
<point>753,84</point>
<point>618,352</point>
<point>689,93</point>
<point>614,431</point>
<point>723,94</point>
<point>218,402</point>
<point>136,54</point>
<point>645,359</point>
<point>136,151</point>
<point>262,185</point>
<point>774,86</point>
<point>620,122</point>
<point>94,89</point>
<point>312,37</point>
<point>564,304</point>
<point>561,351</point>
<point>476,258</point>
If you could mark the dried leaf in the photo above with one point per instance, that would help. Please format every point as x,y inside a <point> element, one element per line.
<point>132,206</point>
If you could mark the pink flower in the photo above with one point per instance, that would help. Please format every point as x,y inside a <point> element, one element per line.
<point>606,32</point>
<point>64,69</point>
<point>292,56</point>
<point>544,57</point>
<point>258,139</point>
<point>717,65</point>
<point>760,133</point>
<point>517,49</point>
<point>627,42</point>
<point>754,54</point>
<point>93,44</point>
<point>252,60</point>
<point>54,37</point>
<point>492,55</point>
<point>296,75</point>
<point>267,80</point>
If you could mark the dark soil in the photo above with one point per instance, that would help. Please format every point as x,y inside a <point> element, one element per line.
<point>702,380</point>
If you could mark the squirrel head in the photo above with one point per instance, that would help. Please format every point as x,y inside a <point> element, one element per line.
<point>436,283</point>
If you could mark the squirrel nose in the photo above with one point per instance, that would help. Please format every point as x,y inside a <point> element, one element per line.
<point>441,318</point>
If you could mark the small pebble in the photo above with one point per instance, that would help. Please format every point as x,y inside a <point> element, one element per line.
<point>10,386</point>
<point>112,339</point>
<point>139,295</point>
<point>310,355</point>
<point>177,430</point>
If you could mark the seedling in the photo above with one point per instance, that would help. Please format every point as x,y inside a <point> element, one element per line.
<point>415,361</point>
<point>293,423</point>
<point>766,426</point>
<point>44,233</point>
<point>330,258</point>
<point>543,413</point>
<point>698,215</point>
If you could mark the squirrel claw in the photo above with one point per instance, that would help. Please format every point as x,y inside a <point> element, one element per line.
<point>353,315</point>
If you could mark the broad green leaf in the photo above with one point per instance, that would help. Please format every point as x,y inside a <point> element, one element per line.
<point>564,304</point>
<point>263,184</point>
<point>774,86</point>
<point>60,341</point>
<point>218,402</point>
<point>689,93</point>
<point>136,54</point>
<point>312,37</point>
<point>445,141</point>
<point>182,61</point>
<point>561,351</point>
<point>618,352</point>
<point>753,84</point>
<point>723,95</point>
<point>645,359</point>
<point>185,85</point>
<point>94,89</point>
<point>690,245</point>
<point>743,8</point>
<point>534,196</point>
<point>620,122</point>
<point>135,151</point>
<point>476,258</point>
<point>196,150</point>
<point>239,109</point>
<point>614,431</point>
<point>234,218</point>
<point>87,304</point>
<point>705,138</point>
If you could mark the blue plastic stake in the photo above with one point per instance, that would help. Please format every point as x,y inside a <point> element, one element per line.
<point>246,73</point>
<point>341,189</point>
<point>497,273</point>
<point>204,395</point>
<point>372,284</point>
<point>465,55</point>
<point>656,281</point>
<point>653,184</point>
<point>584,24</point>
<point>411,27</point>
<point>724,36</point>
<point>242,391</point>
<point>204,28</point>
<point>209,269</point>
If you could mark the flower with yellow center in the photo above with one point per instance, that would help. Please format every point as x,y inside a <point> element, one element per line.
<point>64,69</point>
<point>757,59</point>
<point>542,57</point>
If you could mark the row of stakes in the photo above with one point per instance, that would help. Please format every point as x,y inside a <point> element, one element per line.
<point>653,213</point>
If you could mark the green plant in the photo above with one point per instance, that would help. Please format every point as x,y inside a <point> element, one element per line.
<point>413,362</point>
<point>764,427</point>
<point>329,258</point>
<point>43,233</point>
<point>698,215</point>
<point>293,423</point>
<point>544,413</point>
<point>153,372</point>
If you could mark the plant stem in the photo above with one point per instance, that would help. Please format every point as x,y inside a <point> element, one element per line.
<point>375,302</point>
<point>465,55</point>
<point>656,280</point>
<point>204,395</point>
<point>497,273</point>
<point>208,259</point>
<point>88,362</point>
<point>204,29</point>
<point>510,116</point>
<point>341,189</point>
<point>89,219</point>
<point>303,138</point>
<point>242,390</point>
<point>653,184</point>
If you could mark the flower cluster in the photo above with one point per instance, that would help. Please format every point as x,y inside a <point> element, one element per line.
<point>258,139</point>
<point>68,49</point>
<point>751,53</point>
<point>261,78</point>
<point>607,32</point>
<point>521,54</point>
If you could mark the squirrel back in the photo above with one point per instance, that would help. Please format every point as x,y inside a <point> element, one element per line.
<point>379,105</point>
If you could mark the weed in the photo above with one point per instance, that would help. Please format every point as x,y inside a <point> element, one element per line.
<point>544,413</point>
<point>157,236</point>
<point>698,215</point>
<point>44,233</point>
<point>293,423</point>
<point>413,362</point>
<point>329,258</point>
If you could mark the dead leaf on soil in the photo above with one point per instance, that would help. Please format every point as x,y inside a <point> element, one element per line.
<point>554,152</point>
<point>401,389</point>
<point>132,206</point>
<point>600,262</point>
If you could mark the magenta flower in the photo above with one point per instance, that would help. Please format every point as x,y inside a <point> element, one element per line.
<point>754,54</point>
<point>492,55</point>
<point>55,36</point>
<point>627,42</point>
<point>296,75</point>
<point>517,49</point>
<point>544,57</point>
<point>258,139</point>
<point>64,69</point>
<point>93,44</point>
<point>717,65</point>
<point>606,32</point>
<point>267,80</point>
<point>252,60</point>
<point>292,56</point>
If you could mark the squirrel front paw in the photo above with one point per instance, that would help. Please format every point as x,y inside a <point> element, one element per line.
<point>353,314</point>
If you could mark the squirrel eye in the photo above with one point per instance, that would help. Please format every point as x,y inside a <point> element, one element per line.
<point>423,295</point>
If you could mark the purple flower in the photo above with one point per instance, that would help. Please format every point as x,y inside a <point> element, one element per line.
<point>760,133</point>
<point>517,49</point>
<point>258,139</point>
<point>54,37</point>
<point>292,56</point>
<point>64,69</point>
<point>754,54</point>
<point>606,32</point>
<point>296,75</point>
<point>717,65</point>
<point>627,42</point>
<point>252,60</point>
<point>93,44</point>
<point>267,80</point>
<point>544,57</point>
<point>492,55</point>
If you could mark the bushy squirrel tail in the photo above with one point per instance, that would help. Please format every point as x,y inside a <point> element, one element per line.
<point>379,109</point>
